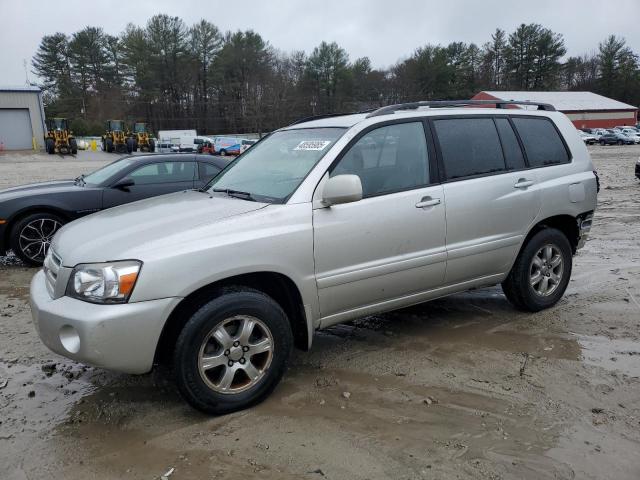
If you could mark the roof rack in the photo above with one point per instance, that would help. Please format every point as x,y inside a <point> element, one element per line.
<point>329,115</point>
<point>456,103</point>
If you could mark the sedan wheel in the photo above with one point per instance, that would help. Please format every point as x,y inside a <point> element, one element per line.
<point>32,236</point>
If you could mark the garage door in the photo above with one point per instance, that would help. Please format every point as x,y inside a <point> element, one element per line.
<point>15,128</point>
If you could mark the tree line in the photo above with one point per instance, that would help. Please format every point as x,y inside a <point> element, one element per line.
<point>177,76</point>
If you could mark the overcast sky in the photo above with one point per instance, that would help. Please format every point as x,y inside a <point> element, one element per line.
<point>383,30</point>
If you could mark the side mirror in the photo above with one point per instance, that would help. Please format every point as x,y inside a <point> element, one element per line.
<point>124,183</point>
<point>342,189</point>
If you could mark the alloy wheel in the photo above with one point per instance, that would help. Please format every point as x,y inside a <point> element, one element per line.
<point>236,354</point>
<point>546,269</point>
<point>35,238</point>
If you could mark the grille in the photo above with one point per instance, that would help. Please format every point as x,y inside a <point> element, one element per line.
<point>52,265</point>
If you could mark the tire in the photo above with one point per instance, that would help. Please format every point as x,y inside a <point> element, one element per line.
<point>204,390</point>
<point>152,145</point>
<point>50,146</point>
<point>518,286</point>
<point>223,153</point>
<point>73,145</point>
<point>29,227</point>
<point>602,142</point>
<point>109,144</point>
<point>129,145</point>
<point>619,142</point>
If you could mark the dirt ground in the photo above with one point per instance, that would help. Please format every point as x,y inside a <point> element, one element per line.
<point>463,387</point>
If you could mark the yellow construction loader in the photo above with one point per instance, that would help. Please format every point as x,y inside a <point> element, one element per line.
<point>139,138</point>
<point>59,138</point>
<point>115,137</point>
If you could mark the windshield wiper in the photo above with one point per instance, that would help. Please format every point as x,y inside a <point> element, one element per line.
<point>235,193</point>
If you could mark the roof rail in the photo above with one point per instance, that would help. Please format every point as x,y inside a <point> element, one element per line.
<point>456,103</point>
<point>329,115</point>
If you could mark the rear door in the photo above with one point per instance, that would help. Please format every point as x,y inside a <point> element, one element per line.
<point>490,194</point>
<point>152,179</point>
<point>390,246</point>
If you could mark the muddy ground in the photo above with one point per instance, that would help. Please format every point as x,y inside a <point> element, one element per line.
<point>463,387</point>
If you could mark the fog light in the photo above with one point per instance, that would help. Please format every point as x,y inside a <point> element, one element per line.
<point>70,339</point>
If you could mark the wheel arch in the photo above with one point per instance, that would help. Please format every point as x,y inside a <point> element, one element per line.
<point>16,217</point>
<point>277,285</point>
<point>567,224</point>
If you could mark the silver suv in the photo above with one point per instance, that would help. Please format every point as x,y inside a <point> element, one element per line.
<point>321,222</point>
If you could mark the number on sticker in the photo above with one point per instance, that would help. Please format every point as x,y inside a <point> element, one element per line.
<point>312,145</point>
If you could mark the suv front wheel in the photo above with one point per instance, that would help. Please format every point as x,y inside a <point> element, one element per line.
<point>541,272</point>
<point>233,351</point>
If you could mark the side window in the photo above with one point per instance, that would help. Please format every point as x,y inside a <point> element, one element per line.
<point>164,172</point>
<point>541,141</point>
<point>388,159</point>
<point>512,152</point>
<point>207,171</point>
<point>469,146</point>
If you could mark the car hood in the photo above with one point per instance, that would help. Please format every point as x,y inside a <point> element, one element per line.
<point>129,231</point>
<point>38,188</point>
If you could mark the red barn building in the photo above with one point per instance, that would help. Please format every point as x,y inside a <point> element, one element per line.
<point>584,109</point>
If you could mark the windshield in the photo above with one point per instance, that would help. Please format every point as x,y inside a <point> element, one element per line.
<point>272,169</point>
<point>116,125</point>
<point>139,127</point>
<point>100,176</point>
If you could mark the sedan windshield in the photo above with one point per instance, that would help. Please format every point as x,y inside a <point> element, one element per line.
<point>272,169</point>
<point>100,176</point>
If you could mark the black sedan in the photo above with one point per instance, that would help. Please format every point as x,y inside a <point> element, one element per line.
<point>31,214</point>
<point>615,139</point>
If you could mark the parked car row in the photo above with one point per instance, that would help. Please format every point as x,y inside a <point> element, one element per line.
<point>321,222</point>
<point>612,136</point>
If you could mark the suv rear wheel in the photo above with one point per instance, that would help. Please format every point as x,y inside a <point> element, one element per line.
<point>541,272</point>
<point>233,351</point>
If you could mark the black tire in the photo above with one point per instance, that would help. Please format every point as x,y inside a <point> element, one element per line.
<point>223,152</point>
<point>619,142</point>
<point>109,144</point>
<point>129,145</point>
<point>152,145</point>
<point>27,254</point>
<point>50,146</point>
<point>73,145</point>
<point>602,142</point>
<point>228,303</point>
<point>517,286</point>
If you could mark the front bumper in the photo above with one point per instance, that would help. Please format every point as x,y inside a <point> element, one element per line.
<point>3,232</point>
<point>119,337</point>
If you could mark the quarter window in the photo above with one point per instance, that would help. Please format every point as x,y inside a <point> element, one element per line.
<point>208,171</point>
<point>469,146</point>
<point>388,159</point>
<point>542,142</point>
<point>164,172</point>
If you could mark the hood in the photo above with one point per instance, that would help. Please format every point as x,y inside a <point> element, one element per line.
<point>127,231</point>
<point>38,188</point>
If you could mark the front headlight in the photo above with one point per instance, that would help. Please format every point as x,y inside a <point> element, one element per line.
<point>110,282</point>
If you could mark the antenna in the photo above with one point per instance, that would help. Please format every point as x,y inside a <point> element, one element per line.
<point>26,72</point>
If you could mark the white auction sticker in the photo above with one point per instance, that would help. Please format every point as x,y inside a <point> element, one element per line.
<point>313,145</point>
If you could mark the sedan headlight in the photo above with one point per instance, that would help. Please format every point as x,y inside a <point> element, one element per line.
<point>110,282</point>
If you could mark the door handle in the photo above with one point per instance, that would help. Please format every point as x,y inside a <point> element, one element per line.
<point>523,183</point>
<point>428,202</point>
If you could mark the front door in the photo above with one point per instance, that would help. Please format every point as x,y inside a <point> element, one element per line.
<point>390,245</point>
<point>151,180</point>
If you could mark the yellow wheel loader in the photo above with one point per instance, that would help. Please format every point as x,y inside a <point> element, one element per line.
<point>141,139</point>
<point>59,138</point>
<point>115,138</point>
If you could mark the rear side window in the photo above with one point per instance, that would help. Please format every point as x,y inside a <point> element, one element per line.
<point>469,146</point>
<point>541,141</point>
<point>512,152</point>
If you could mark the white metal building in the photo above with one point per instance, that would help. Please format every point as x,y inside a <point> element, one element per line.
<point>21,118</point>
